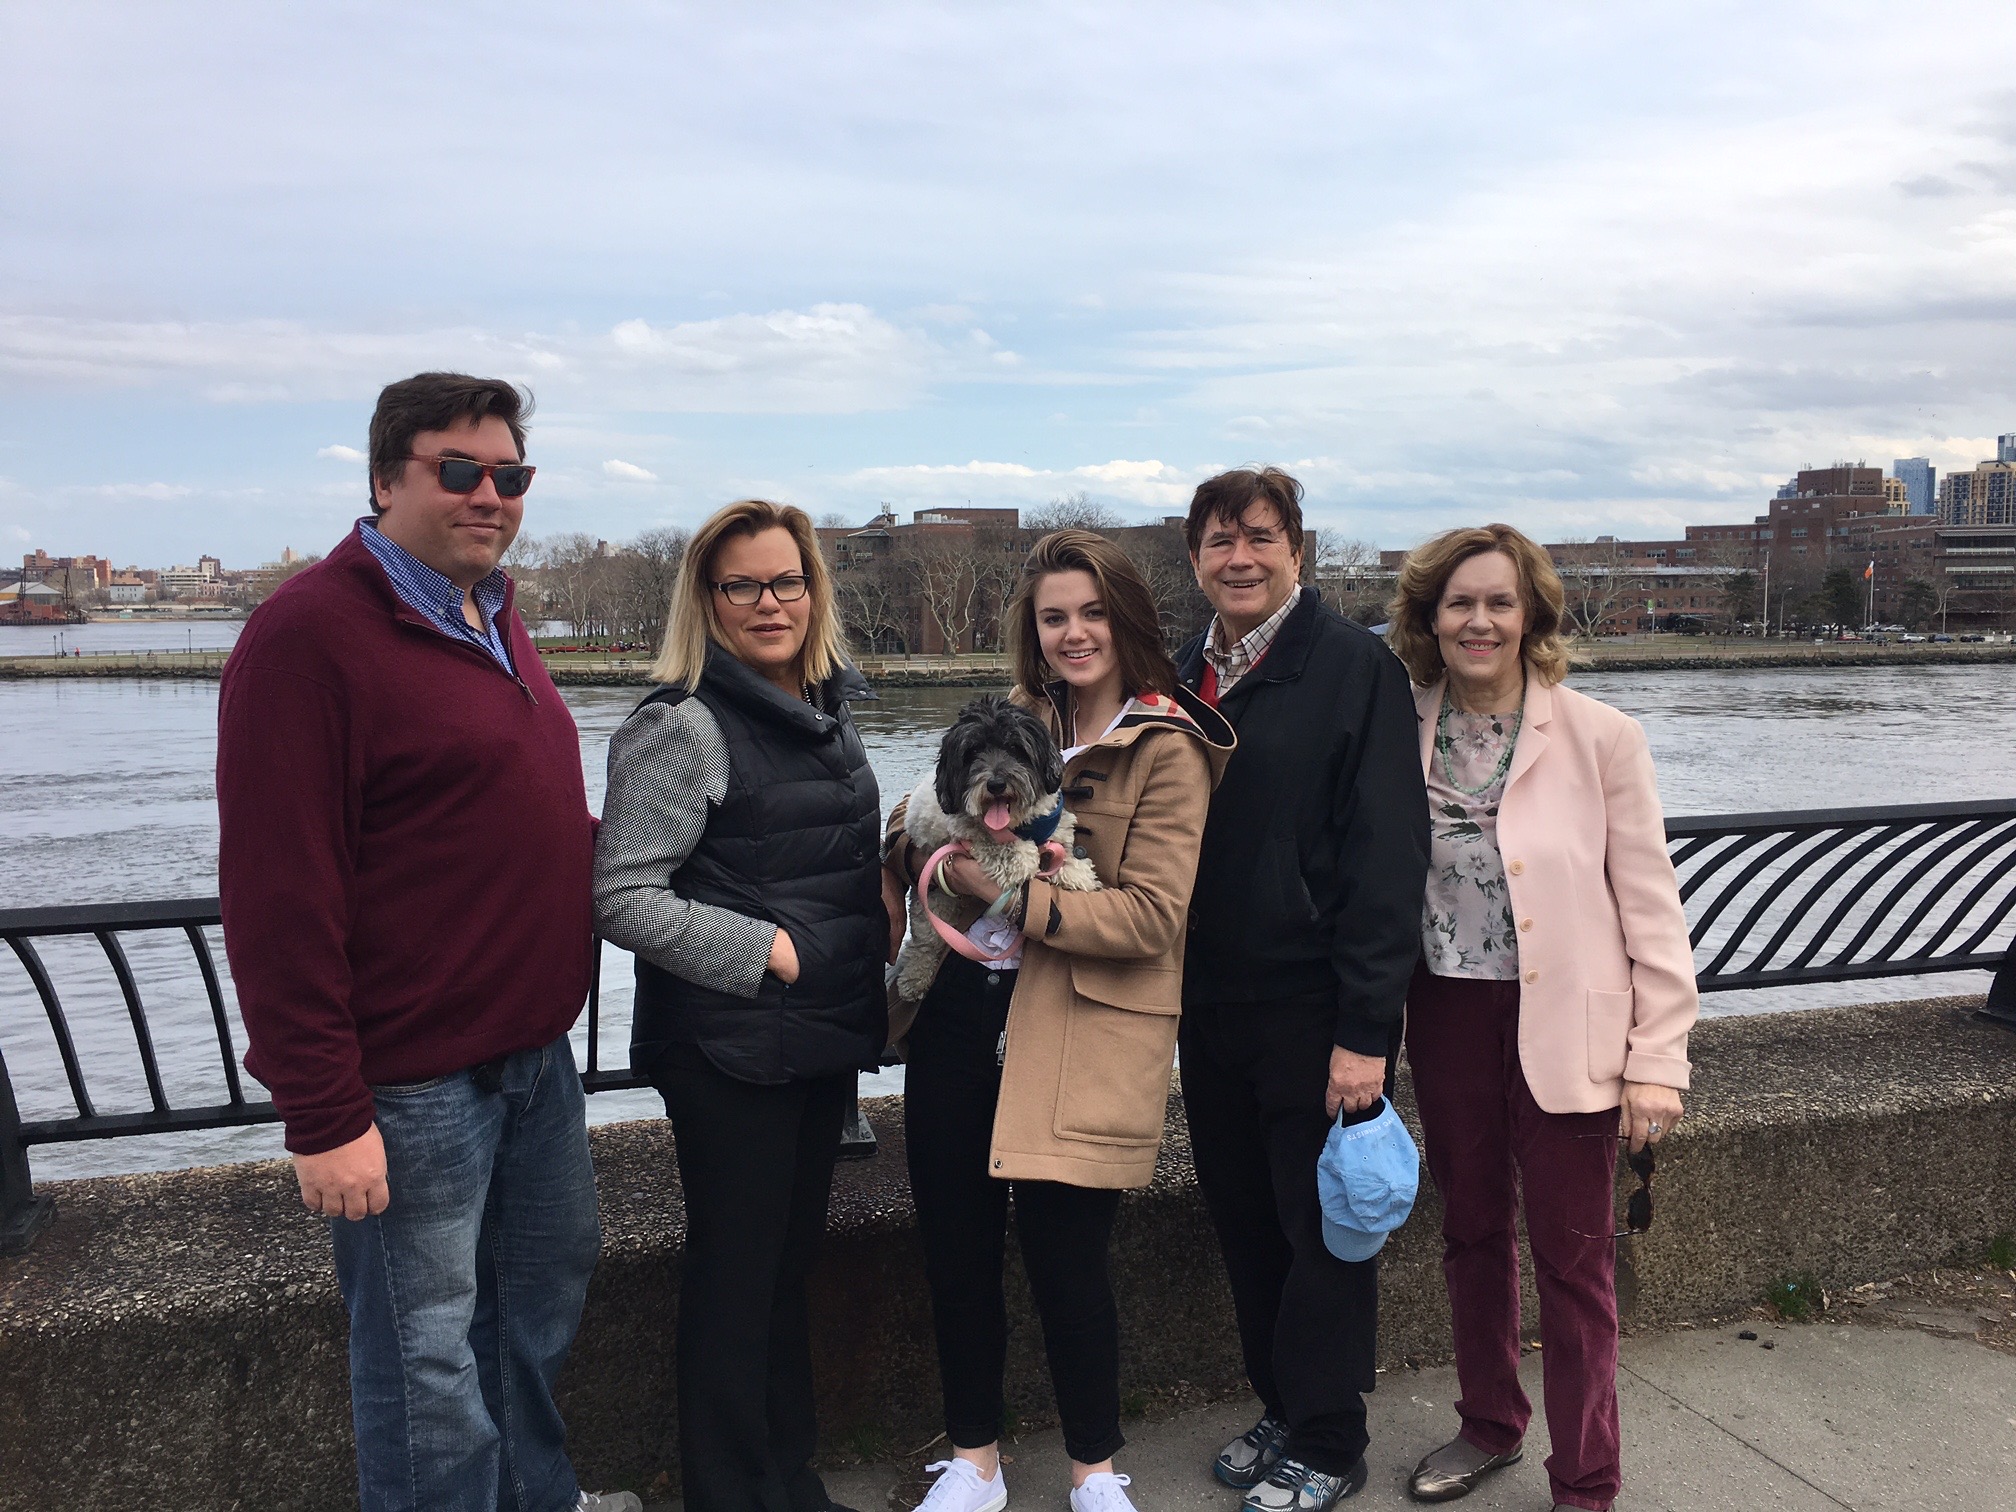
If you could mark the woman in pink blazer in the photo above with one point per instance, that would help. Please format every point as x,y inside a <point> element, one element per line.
<point>1549,1016</point>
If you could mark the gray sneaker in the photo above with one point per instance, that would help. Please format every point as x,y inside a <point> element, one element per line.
<point>608,1501</point>
<point>1294,1487</point>
<point>1246,1461</point>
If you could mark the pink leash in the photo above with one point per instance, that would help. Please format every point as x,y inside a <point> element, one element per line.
<point>1053,861</point>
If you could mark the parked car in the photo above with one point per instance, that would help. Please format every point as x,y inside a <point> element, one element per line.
<point>1942,640</point>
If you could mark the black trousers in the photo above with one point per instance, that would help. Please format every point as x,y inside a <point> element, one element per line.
<point>756,1164</point>
<point>1254,1076</point>
<point>950,1086</point>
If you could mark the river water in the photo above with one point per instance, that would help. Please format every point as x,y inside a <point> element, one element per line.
<point>105,794</point>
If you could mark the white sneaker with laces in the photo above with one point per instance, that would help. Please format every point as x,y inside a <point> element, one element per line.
<point>962,1488</point>
<point>608,1501</point>
<point>1103,1491</point>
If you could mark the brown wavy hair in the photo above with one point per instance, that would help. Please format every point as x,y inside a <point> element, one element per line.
<point>1130,611</point>
<point>1426,575</point>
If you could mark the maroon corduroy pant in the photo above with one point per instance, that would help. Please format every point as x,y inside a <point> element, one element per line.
<point>1487,1139</point>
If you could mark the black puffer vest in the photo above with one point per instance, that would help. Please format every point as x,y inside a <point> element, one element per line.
<point>794,842</point>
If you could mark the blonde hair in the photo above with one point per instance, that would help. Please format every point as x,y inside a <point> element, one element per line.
<point>1426,576</point>
<point>692,620</point>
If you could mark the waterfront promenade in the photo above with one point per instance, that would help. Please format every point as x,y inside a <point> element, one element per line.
<point>175,1339</point>
<point>1880,1417</point>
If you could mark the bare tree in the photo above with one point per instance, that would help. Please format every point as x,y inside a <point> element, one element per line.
<point>1735,587</point>
<point>833,520</point>
<point>1598,583</point>
<point>1078,511</point>
<point>576,577</point>
<point>871,607</point>
<point>1352,581</point>
<point>641,583</point>
<point>1163,560</point>
<point>948,577</point>
<point>998,555</point>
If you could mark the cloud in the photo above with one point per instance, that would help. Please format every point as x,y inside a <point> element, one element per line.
<point>826,359</point>
<point>1141,483</point>
<point>158,492</point>
<point>341,454</point>
<point>1494,276</point>
<point>629,472</point>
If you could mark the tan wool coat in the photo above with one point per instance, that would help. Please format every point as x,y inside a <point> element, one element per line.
<point>1092,1026</point>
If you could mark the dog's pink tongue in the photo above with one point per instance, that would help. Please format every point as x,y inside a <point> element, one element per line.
<point>997,816</point>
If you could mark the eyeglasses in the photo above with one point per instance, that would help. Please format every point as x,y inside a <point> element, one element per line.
<point>464,475</point>
<point>742,592</point>
<point>1638,1211</point>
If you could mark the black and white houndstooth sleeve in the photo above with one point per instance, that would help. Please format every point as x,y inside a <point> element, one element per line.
<point>668,765</point>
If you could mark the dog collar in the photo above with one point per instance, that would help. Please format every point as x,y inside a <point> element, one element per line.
<point>1043,826</point>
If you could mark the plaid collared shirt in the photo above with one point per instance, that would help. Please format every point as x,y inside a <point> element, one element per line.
<point>1232,664</point>
<point>428,593</point>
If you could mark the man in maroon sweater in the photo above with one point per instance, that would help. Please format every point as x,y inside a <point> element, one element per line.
<point>405,867</point>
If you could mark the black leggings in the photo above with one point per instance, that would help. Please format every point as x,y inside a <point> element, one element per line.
<point>949,1090</point>
<point>756,1167</point>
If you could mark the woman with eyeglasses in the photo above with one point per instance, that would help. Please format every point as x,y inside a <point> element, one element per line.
<point>739,860</point>
<point>1548,1018</point>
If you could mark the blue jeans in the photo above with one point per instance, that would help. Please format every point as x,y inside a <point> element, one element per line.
<point>464,1294</point>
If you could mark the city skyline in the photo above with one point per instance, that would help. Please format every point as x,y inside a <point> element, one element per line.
<point>1447,266</point>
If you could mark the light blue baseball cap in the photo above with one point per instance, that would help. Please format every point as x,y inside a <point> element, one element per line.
<point>1366,1178</point>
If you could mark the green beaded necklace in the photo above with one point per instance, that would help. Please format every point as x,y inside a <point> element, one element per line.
<point>1504,759</point>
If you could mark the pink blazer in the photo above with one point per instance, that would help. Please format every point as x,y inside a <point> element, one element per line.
<point>1606,975</point>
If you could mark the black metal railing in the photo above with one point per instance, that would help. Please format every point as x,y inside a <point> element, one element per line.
<point>1772,900</point>
<point>1838,895</point>
<point>22,1212</point>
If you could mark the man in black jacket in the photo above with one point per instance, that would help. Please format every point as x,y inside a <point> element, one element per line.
<point>1305,926</point>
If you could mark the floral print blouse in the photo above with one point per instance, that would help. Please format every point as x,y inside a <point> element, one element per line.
<point>1466,918</point>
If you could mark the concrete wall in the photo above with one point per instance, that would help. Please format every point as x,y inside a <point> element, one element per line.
<point>177,1340</point>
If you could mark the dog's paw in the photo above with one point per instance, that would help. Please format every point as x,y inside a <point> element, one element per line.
<point>1077,875</point>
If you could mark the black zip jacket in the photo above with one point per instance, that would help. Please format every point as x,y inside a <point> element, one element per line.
<point>794,843</point>
<point>1315,855</point>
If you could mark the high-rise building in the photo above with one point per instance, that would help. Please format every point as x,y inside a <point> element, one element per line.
<point>1921,480</point>
<point>2005,448</point>
<point>1984,496</point>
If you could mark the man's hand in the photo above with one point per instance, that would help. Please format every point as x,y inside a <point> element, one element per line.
<point>1356,1081</point>
<point>1648,1113</point>
<point>783,962</point>
<point>348,1181</point>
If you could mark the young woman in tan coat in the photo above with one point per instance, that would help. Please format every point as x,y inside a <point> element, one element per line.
<point>1050,1082</point>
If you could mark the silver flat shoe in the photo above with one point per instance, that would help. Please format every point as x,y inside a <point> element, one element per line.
<point>1455,1469</point>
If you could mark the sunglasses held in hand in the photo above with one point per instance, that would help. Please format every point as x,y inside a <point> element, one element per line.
<point>1638,1211</point>
<point>464,475</point>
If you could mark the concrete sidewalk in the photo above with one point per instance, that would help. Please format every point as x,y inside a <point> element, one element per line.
<point>1831,1416</point>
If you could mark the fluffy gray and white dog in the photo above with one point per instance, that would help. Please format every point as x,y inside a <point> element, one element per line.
<point>996,788</point>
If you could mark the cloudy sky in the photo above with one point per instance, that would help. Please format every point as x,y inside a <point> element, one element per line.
<point>1582,267</point>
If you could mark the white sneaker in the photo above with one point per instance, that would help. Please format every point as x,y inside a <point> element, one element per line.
<point>608,1501</point>
<point>962,1488</point>
<point>1103,1491</point>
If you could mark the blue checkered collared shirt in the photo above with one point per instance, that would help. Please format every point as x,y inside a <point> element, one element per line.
<point>433,596</point>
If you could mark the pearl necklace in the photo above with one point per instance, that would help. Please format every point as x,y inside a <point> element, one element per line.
<point>1504,760</point>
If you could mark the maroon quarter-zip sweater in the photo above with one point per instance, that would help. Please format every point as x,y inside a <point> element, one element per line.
<point>406,847</point>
